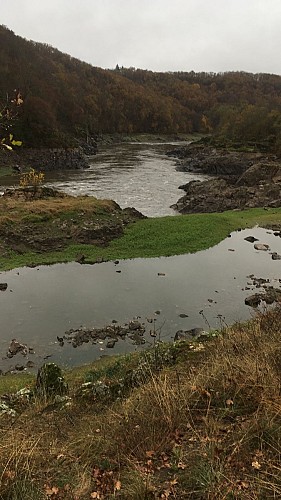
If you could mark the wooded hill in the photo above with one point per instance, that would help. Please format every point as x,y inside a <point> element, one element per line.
<point>66,99</point>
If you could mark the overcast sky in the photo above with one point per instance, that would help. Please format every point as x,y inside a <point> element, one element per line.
<point>161,35</point>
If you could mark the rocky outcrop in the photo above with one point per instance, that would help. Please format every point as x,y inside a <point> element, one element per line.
<point>44,159</point>
<point>89,221</point>
<point>134,330</point>
<point>268,296</point>
<point>53,159</point>
<point>246,180</point>
<point>208,160</point>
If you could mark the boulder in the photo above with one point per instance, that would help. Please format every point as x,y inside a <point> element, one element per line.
<point>251,239</point>
<point>259,172</point>
<point>270,296</point>
<point>247,180</point>
<point>111,343</point>
<point>15,347</point>
<point>192,334</point>
<point>253,300</point>
<point>261,246</point>
<point>276,256</point>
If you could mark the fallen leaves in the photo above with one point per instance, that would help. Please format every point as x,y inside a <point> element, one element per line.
<point>51,491</point>
<point>256,465</point>
<point>105,483</point>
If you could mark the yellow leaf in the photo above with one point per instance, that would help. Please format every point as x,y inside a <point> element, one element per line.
<point>173,482</point>
<point>51,491</point>
<point>117,486</point>
<point>256,465</point>
<point>229,402</point>
<point>150,453</point>
<point>181,466</point>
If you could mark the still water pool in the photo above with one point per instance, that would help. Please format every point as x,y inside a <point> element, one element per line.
<point>42,303</point>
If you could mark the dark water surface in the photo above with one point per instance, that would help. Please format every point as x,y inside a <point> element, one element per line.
<point>42,303</point>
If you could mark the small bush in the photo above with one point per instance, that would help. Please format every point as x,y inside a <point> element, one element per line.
<point>31,178</point>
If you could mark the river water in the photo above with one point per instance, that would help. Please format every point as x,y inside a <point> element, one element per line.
<point>136,175</point>
<point>208,288</point>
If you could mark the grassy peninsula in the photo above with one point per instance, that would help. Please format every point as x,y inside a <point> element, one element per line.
<point>64,228</point>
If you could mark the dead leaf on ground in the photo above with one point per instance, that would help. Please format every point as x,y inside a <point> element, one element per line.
<point>150,453</point>
<point>229,402</point>
<point>117,486</point>
<point>51,490</point>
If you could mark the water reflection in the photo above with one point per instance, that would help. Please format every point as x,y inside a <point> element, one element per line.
<point>41,304</point>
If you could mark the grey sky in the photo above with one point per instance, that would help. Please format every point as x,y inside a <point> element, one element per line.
<point>162,35</point>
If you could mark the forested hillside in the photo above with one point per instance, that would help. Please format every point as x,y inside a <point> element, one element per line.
<point>65,99</point>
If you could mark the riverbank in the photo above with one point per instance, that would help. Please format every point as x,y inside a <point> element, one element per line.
<point>60,228</point>
<point>197,420</point>
<point>75,157</point>
<point>241,179</point>
<point>43,225</point>
<point>44,159</point>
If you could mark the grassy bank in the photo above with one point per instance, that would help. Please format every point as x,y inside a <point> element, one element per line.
<point>200,423</point>
<point>162,236</point>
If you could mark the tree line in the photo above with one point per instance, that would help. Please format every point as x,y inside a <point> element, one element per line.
<point>66,99</point>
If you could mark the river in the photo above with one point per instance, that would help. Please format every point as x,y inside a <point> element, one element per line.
<point>206,289</point>
<point>138,175</point>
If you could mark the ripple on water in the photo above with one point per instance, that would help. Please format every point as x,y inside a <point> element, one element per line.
<point>138,175</point>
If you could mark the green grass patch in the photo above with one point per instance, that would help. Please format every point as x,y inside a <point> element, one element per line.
<point>163,236</point>
<point>5,171</point>
<point>11,383</point>
<point>35,218</point>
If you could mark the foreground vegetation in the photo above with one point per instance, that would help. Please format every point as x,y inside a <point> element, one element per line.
<point>199,421</point>
<point>89,230</point>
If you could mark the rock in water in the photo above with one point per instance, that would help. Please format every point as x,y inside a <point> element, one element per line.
<point>251,239</point>
<point>261,246</point>
<point>192,334</point>
<point>276,256</point>
<point>253,300</point>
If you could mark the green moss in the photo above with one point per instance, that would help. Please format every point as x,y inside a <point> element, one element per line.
<point>35,218</point>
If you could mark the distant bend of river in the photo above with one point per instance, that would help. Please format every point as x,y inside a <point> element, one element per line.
<point>138,175</point>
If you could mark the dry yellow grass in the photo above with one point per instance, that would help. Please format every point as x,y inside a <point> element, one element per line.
<point>207,427</point>
<point>13,209</point>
